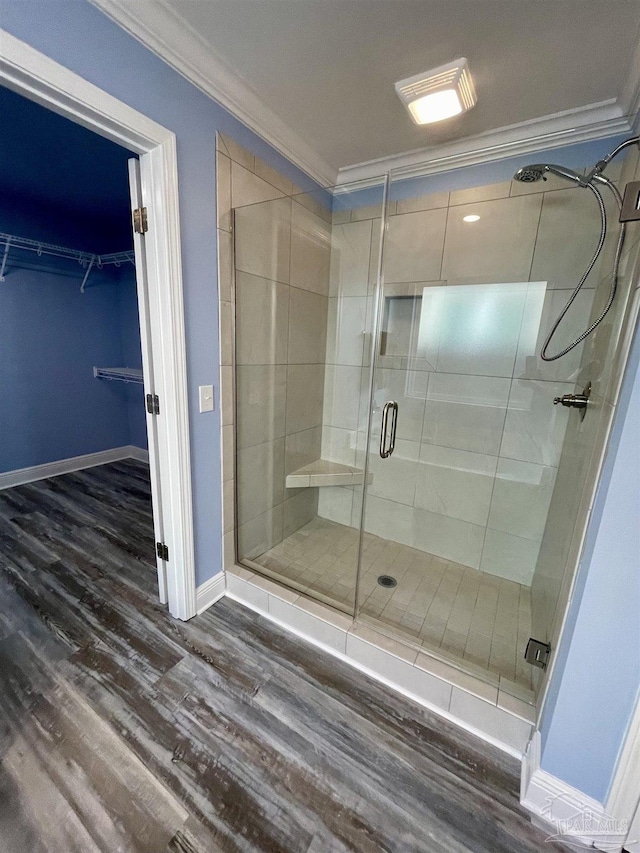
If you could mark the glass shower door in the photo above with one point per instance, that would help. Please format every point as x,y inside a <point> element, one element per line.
<point>442,380</point>
<point>304,283</point>
<point>464,437</point>
<point>477,484</point>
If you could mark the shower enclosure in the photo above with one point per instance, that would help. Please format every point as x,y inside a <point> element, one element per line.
<point>398,452</point>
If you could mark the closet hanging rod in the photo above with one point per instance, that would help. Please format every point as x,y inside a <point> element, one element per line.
<point>5,255</point>
<point>87,260</point>
<point>119,374</point>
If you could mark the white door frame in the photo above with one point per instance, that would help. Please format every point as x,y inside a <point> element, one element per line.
<point>39,78</point>
<point>623,799</point>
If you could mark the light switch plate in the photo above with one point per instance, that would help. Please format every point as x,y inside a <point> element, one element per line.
<point>206,398</point>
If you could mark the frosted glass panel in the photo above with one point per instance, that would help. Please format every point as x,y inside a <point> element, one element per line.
<point>476,329</point>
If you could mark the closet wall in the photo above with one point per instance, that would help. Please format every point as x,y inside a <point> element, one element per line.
<point>51,335</point>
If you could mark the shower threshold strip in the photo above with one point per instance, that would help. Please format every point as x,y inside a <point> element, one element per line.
<point>491,707</point>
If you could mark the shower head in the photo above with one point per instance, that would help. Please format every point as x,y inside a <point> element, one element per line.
<point>530,174</point>
<point>537,171</point>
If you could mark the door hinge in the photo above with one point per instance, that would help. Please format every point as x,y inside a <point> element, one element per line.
<point>140,221</point>
<point>153,404</point>
<point>162,551</point>
<point>537,653</point>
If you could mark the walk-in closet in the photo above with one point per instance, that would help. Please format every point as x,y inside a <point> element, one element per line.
<point>75,493</point>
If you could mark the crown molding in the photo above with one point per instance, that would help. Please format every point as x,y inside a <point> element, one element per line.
<point>629,99</point>
<point>595,121</point>
<point>167,35</point>
<point>157,26</point>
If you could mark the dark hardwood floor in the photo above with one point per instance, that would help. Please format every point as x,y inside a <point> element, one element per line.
<point>124,730</point>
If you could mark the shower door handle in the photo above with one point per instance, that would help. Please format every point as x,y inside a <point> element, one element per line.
<point>392,407</point>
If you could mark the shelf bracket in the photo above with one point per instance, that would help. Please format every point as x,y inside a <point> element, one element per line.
<point>4,258</point>
<point>86,275</point>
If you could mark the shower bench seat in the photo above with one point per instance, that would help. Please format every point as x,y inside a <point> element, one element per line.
<point>323,472</point>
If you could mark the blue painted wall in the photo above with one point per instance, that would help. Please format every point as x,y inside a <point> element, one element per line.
<point>48,160</point>
<point>597,675</point>
<point>50,222</point>
<point>81,38</point>
<point>52,335</point>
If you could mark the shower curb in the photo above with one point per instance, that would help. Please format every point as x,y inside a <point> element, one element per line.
<point>461,698</point>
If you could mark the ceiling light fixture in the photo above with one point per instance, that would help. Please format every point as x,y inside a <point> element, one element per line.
<point>472,217</point>
<point>441,93</point>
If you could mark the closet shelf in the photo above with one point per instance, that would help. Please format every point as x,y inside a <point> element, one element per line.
<point>323,472</point>
<point>86,260</point>
<point>119,374</point>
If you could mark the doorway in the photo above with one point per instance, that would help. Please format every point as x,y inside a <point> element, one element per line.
<point>72,362</point>
<point>34,76</point>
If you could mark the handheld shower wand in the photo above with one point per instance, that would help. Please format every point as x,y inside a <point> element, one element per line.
<point>538,171</point>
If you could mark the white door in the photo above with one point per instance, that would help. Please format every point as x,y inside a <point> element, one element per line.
<point>142,283</point>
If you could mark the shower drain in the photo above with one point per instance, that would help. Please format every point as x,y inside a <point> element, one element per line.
<point>387,580</point>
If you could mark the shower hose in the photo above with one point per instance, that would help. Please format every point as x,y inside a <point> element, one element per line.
<point>614,279</point>
<point>596,174</point>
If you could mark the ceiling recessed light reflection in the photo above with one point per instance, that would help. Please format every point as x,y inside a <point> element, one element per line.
<point>472,217</point>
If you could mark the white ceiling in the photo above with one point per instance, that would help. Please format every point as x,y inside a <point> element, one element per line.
<point>326,68</point>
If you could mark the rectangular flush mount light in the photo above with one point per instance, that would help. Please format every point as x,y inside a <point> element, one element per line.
<point>438,94</point>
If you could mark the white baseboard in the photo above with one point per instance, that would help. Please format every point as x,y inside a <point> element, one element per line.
<point>566,813</point>
<point>138,453</point>
<point>209,592</point>
<point>66,466</point>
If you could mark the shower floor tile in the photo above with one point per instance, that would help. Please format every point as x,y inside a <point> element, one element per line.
<point>473,617</point>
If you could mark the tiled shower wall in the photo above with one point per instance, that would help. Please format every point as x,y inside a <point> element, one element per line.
<point>281,291</point>
<point>355,241</point>
<point>479,439</point>
<point>602,362</point>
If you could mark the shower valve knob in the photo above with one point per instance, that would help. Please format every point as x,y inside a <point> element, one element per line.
<point>575,401</point>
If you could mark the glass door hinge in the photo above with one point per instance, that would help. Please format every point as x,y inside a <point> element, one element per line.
<point>153,404</point>
<point>162,551</point>
<point>630,211</point>
<point>537,653</point>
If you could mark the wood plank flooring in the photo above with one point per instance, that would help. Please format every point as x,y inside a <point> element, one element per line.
<point>124,730</point>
